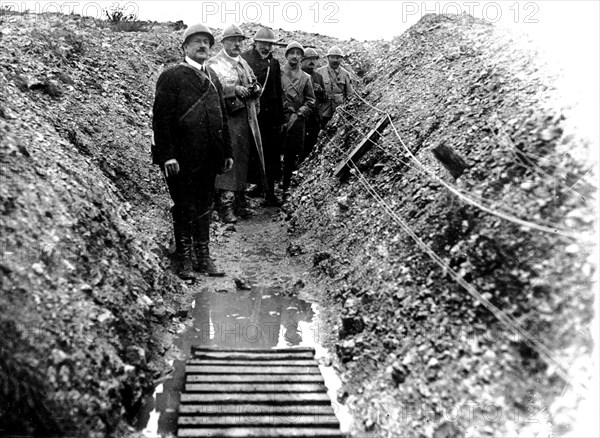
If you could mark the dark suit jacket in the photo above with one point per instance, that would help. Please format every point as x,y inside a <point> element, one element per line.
<point>190,120</point>
<point>271,107</point>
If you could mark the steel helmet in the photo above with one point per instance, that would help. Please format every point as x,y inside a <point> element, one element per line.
<point>294,45</point>
<point>335,50</point>
<point>232,31</point>
<point>310,53</point>
<point>198,28</point>
<point>265,35</point>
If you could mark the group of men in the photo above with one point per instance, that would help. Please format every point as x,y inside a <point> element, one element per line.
<point>222,122</point>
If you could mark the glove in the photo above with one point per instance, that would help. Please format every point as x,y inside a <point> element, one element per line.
<point>303,111</point>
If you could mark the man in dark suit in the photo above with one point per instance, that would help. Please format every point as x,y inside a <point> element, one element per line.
<point>313,122</point>
<point>270,118</point>
<point>192,145</point>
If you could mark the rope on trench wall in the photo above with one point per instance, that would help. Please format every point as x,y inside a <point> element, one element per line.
<point>552,229</point>
<point>501,211</point>
<point>506,319</point>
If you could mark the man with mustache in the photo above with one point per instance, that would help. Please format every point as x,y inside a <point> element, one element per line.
<point>191,145</point>
<point>270,118</point>
<point>241,92</point>
<point>338,86</point>
<point>298,103</point>
<point>313,123</point>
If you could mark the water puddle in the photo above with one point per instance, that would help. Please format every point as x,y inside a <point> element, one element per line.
<point>258,318</point>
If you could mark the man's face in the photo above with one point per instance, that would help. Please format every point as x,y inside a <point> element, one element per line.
<point>334,61</point>
<point>263,48</point>
<point>294,57</point>
<point>197,47</point>
<point>233,46</point>
<point>309,64</point>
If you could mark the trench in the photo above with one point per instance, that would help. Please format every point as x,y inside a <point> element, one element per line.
<point>266,300</point>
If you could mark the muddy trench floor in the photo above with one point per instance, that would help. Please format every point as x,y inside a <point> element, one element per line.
<point>265,300</point>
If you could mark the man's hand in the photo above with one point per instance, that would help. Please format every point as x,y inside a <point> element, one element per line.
<point>171,167</point>
<point>242,92</point>
<point>228,165</point>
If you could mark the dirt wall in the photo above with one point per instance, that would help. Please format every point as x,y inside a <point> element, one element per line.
<point>481,113</point>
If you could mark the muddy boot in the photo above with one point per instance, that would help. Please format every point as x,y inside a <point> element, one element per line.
<point>271,200</point>
<point>226,202</point>
<point>204,264</point>
<point>227,215</point>
<point>183,229</point>
<point>241,205</point>
<point>185,270</point>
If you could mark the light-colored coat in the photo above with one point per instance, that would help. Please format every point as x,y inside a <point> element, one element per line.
<point>243,122</point>
<point>338,87</point>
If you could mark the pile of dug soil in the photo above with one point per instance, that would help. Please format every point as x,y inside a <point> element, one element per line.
<point>482,134</point>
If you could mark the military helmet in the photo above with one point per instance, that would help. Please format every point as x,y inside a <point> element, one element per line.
<point>310,53</point>
<point>294,45</point>
<point>335,50</point>
<point>265,35</point>
<point>198,28</point>
<point>232,31</point>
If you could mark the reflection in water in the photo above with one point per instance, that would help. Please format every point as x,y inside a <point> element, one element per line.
<point>259,318</point>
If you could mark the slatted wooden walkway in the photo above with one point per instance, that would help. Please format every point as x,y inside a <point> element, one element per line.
<point>255,393</point>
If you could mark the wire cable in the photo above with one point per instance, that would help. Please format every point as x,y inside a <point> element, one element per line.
<point>503,317</point>
<point>505,212</point>
<point>552,229</point>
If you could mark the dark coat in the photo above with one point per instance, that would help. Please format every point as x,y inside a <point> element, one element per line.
<point>271,107</point>
<point>320,96</point>
<point>199,140</point>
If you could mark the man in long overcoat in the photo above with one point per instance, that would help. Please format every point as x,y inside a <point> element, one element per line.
<point>241,93</point>
<point>191,145</point>
<point>298,103</point>
<point>270,118</point>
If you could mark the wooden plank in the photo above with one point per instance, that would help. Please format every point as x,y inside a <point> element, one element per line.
<point>260,420</point>
<point>253,409</point>
<point>362,147</point>
<point>255,378</point>
<point>239,397</point>
<point>254,350</point>
<point>263,432</point>
<point>220,369</point>
<point>255,363</point>
<point>255,387</point>
<point>252,356</point>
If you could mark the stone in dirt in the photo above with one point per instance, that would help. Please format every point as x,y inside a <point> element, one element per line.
<point>242,283</point>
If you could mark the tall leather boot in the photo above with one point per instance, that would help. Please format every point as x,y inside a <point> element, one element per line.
<point>226,201</point>
<point>204,264</point>
<point>183,227</point>
<point>241,205</point>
